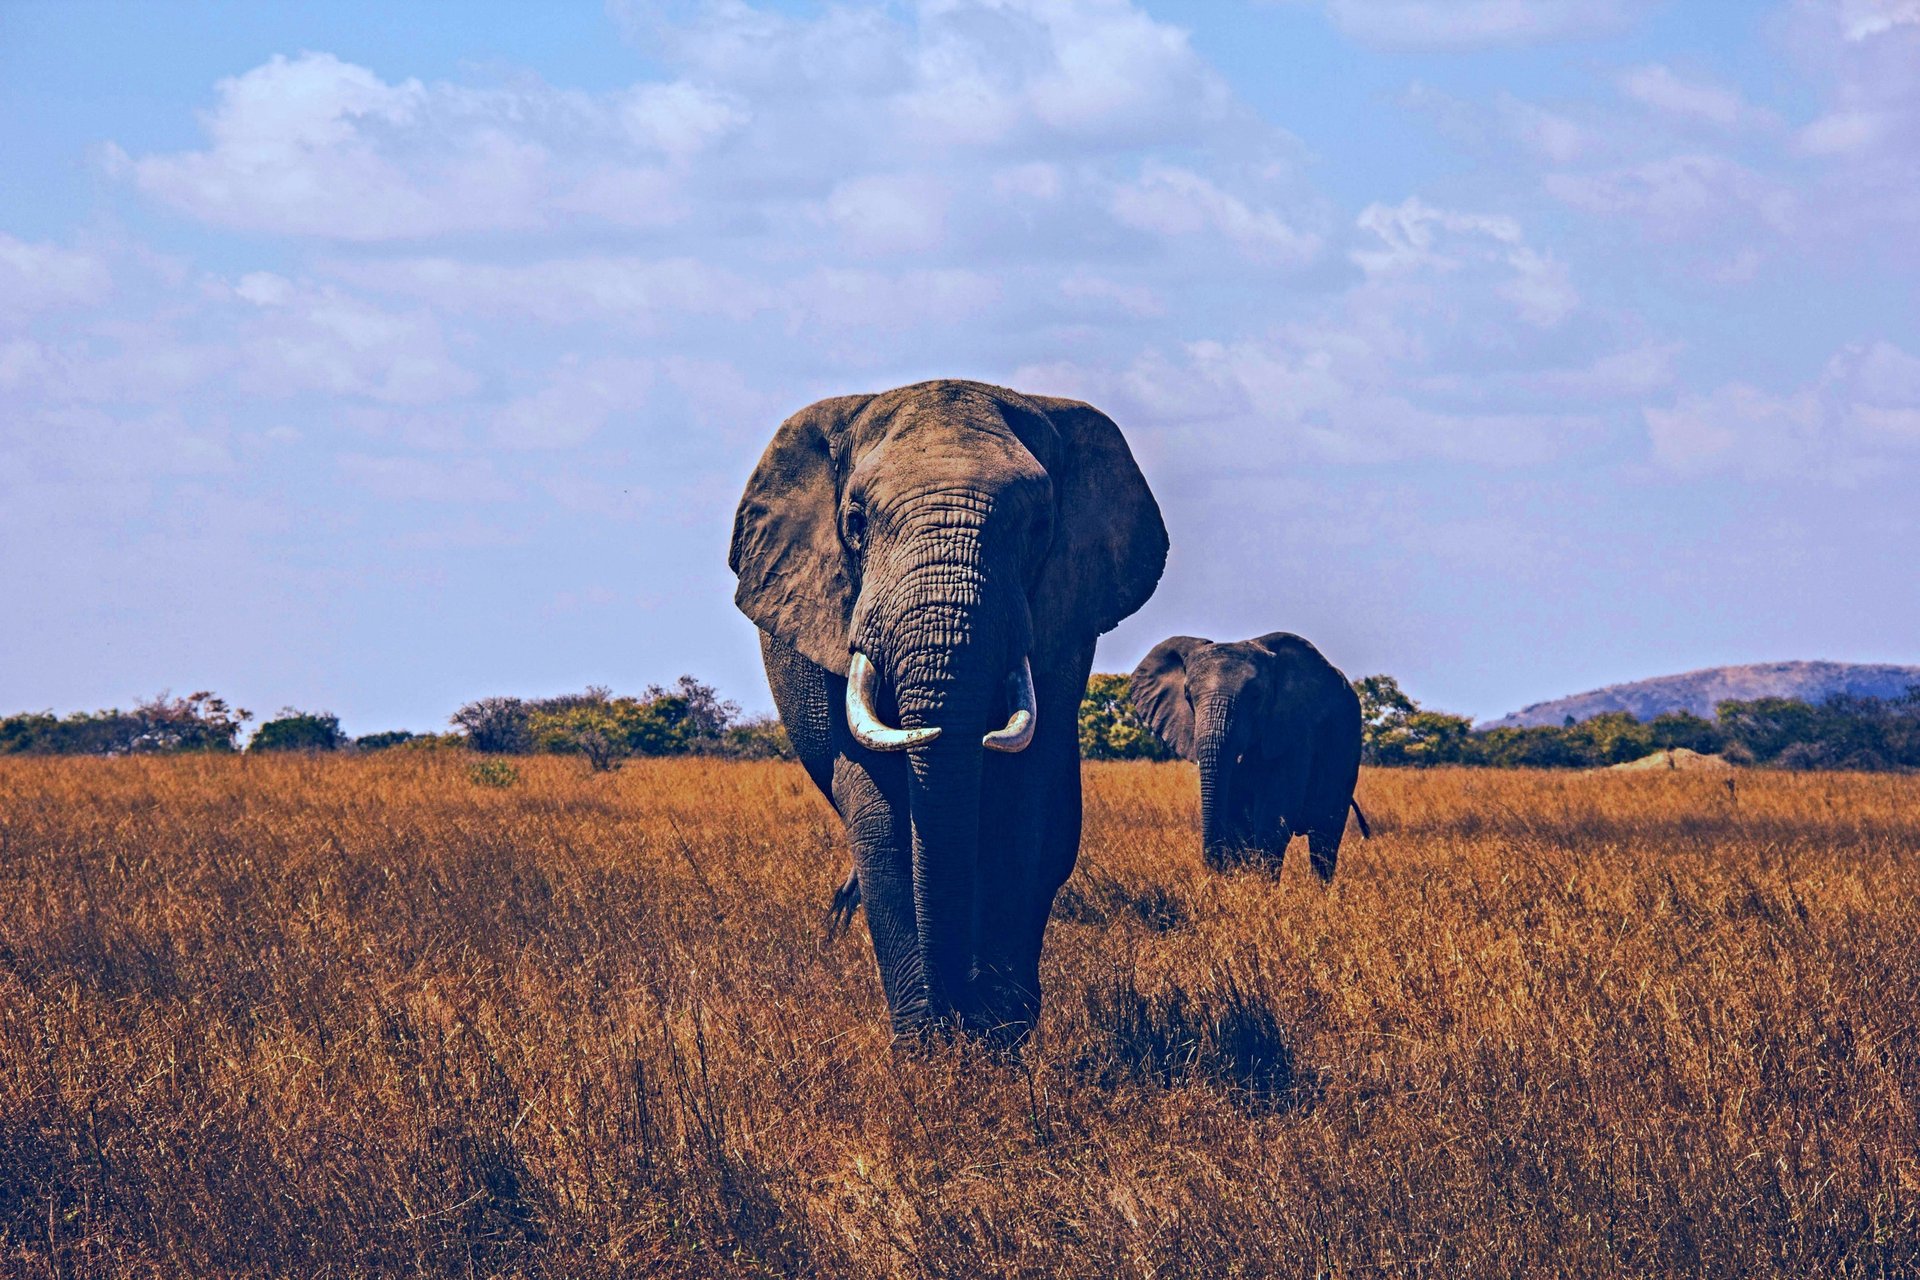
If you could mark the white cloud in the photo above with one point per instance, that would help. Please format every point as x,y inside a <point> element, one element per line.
<point>643,292</point>
<point>1680,195</point>
<point>1867,133</point>
<point>1862,413</point>
<point>579,398</point>
<point>1556,137</point>
<point>435,480</point>
<point>38,277</point>
<point>1662,89</point>
<point>317,338</point>
<point>890,213</point>
<point>1415,236</point>
<point>1175,202</point>
<point>1465,24</point>
<point>316,146</point>
<point>1864,19</point>
<point>831,302</point>
<point>1101,294</point>
<point>679,118</point>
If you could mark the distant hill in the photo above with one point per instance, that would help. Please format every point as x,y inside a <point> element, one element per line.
<point>1701,691</point>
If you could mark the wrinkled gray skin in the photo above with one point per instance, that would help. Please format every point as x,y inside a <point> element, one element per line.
<point>1275,729</point>
<point>946,531</point>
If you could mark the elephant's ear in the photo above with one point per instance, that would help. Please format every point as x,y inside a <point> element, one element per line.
<point>1109,544</point>
<point>786,537</point>
<point>1158,688</point>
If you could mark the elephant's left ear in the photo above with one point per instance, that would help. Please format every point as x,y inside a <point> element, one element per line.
<point>1158,690</point>
<point>786,539</point>
<point>1109,544</point>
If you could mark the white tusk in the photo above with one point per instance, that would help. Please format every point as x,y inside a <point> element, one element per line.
<point>868,730</point>
<point>1019,731</point>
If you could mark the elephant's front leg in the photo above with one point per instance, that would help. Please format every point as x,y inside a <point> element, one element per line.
<point>870,790</point>
<point>1276,788</point>
<point>1029,839</point>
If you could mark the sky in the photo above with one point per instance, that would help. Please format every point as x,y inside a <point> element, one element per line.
<point>372,358</point>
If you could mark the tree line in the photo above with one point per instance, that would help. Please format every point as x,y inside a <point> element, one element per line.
<point>689,717</point>
<point>685,718</point>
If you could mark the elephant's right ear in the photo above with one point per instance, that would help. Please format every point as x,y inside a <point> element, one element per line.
<point>786,537</point>
<point>1158,688</point>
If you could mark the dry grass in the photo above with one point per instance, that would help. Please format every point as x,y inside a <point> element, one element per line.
<point>367,1017</point>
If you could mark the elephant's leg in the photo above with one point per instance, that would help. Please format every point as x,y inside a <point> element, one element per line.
<point>1030,838</point>
<point>871,793</point>
<point>1336,768</point>
<point>1281,788</point>
<point>1323,844</point>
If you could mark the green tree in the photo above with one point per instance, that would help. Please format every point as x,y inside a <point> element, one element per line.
<point>383,740</point>
<point>1109,729</point>
<point>1395,731</point>
<point>299,731</point>
<point>495,724</point>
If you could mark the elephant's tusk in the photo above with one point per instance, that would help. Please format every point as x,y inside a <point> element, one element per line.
<point>1019,731</point>
<point>868,729</point>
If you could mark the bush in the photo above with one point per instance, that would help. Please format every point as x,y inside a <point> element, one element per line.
<point>300,731</point>
<point>689,717</point>
<point>762,738</point>
<point>198,722</point>
<point>1394,730</point>
<point>493,773</point>
<point>381,741</point>
<point>495,725</point>
<point>594,730</point>
<point>1109,728</point>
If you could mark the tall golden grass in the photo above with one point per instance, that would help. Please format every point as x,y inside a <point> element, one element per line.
<point>367,1016</point>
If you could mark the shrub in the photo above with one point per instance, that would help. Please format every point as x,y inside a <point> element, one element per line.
<point>299,731</point>
<point>762,738</point>
<point>1394,729</point>
<point>493,773</point>
<point>697,712</point>
<point>496,725</point>
<point>197,722</point>
<point>688,717</point>
<point>594,730</point>
<point>389,738</point>
<point>29,733</point>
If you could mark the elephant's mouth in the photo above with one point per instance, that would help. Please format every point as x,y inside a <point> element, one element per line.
<point>875,734</point>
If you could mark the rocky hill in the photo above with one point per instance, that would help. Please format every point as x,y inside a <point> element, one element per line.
<point>1701,691</point>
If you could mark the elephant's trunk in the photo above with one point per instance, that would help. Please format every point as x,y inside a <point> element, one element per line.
<point>1214,752</point>
<point>948,642</point>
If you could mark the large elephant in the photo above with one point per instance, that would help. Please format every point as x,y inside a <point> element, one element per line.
<point>929,568</point>
<point>1275,729</point>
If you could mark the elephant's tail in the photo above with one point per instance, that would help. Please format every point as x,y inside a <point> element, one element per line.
<point>1366,832</point>
<point>846,901</point>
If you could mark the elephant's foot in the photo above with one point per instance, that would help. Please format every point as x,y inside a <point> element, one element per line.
<point>999,1017</point>
<point>1325,863</point>
<point>1003,1010</point>
<point>1233,857</point>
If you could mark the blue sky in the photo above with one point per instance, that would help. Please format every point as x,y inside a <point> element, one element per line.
<point>374,358</point>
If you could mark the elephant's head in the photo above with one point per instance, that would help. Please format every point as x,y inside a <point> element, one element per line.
<point>1215,704</point>
<point>944,546</point>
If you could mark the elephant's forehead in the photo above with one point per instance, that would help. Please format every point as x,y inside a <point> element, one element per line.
<point>967,417</point>
<point>928,449</point>
<point>1225,658</point>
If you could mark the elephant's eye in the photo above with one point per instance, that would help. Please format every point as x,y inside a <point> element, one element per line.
<point>856,526</point>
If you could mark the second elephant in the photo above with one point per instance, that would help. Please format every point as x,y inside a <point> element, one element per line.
<point>1275,730</point>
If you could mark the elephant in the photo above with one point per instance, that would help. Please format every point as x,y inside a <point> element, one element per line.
<point>1275,729</point>
<point>929,568</point>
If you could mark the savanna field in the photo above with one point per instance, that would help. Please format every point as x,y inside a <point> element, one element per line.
<point>386,1016</point>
